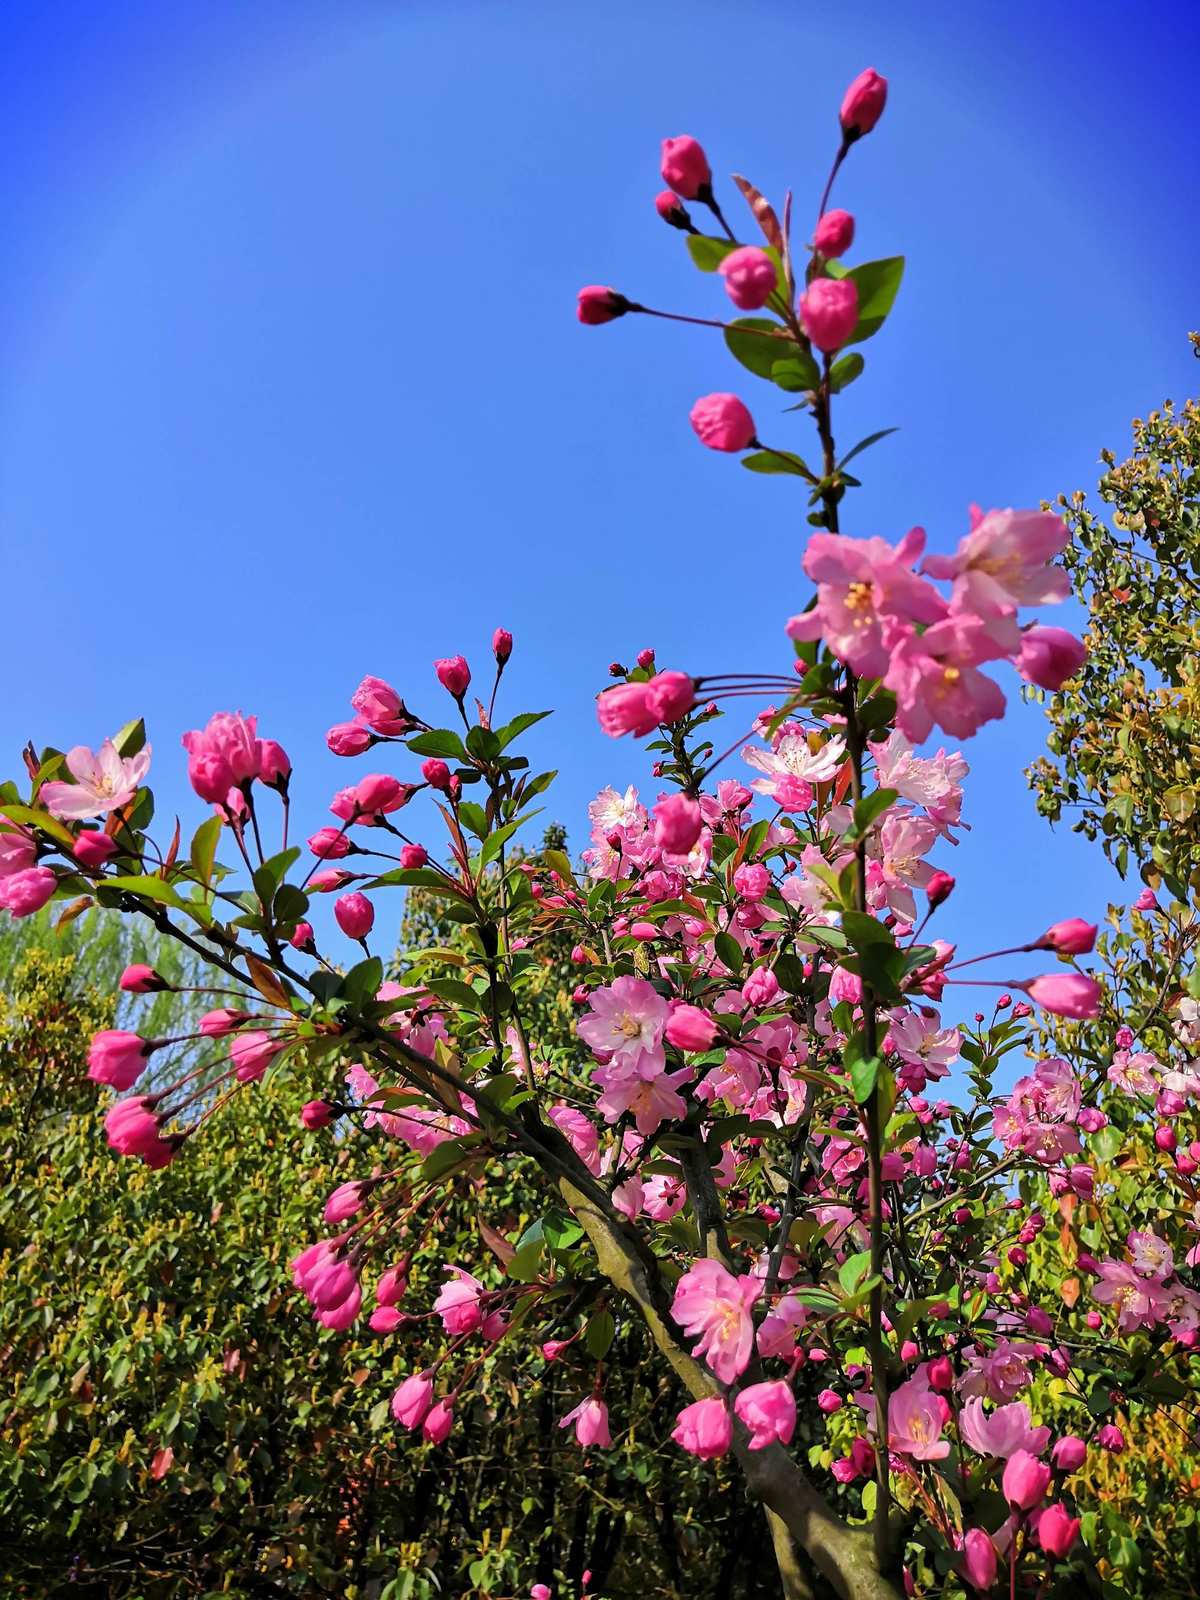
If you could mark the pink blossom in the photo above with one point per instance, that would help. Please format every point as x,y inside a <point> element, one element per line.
<point>1149,1255</point>
<point>580,1132</point>
<point>1050,656</point>
<point>714,1307</point>
<point>252,1053</point>
<point>590,1417</point>
<point>1006,1431</point>
<point>1025,1480</point>
<point>704,1428</point>
<point>1057,1531</point>
<point>625,1025</point>
<point>316,1114</point>
<point>1003,563</point>
<point>625,709</point>
<point>916,1417</point>
<point>769,1411</point>
<point>979,1560</point>
<point>722,422</point>
<point>1069,1453</point>
<point>936,682</point>
<point>457,1302</point>
<point>18,852</point>
<point>677,824</point>
<point>792,761</point>
<point>651,1101</point>
<point>380,707</point>
<point>104,782</point>
<point>231,740</point>
<point>1138,1300</point>
<point>1073,937</point>
<point>670,695</point>
<point>349,738</point>
<point>132,1129</point>
<point>861,583</point>
<point>1066,994</point>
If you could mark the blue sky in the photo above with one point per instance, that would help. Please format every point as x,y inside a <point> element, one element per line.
<point>291,387</point>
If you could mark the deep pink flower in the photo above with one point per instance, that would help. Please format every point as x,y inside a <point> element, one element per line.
<point>210,775</point>
<point>704,1428</point>
<point>1057,1530</point>
<point>670,696</point>
<point>673,211</point>
<point>349,738</point>
<point>502,645</point>
<point>22,893</point>
<point>625,709</point>
<point>1025,1480</point>
<point>862,104</point>
<point>597,304</point>
<point>231,738</point>
<point>355,915</point>
<point>302,937</point>
<point>685,167</point>
<point>714,1307</point>
<point>769,1411</point>
<point>380,707</point>
<point>274,765</point>
<point>118,1058</point>
<point>438,1422</point>
<point>979,1560</point>
<point>1073,937</point>
<point>834,235</point>
<point>590,1417</point>
<point>138,978</point>
<point>316,1114</point>
<point>104,782</point>
<point>690,1028</point>
<point>93,849</point>
<point>436,774</point>
<point>750,277</point>
<point>1069,1453</point>
<point>829,312</point>
<point>1111,1438</point>
<point>252,1053</point>
<point>1049,656</point>
<point>677,824</point>
<point>132,1129</point>
<point>453,674</point>
<point>722,422</point>
<point>1065,994</point>
<point>458,1302</point>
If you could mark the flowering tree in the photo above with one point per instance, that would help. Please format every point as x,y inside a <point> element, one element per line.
<point>737,1148</point>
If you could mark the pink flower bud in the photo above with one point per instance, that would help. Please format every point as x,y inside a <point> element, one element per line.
<point>412,1400</point>
<point>1049,656</point>
<point>436,774</point>
<point>597,304</point>
<point>1074,937</point>
<point>690,1028</point>
<point>386,1319</point>
<point>1069,1453</point>
<point>210,775</point>
<point>1146,901</point>
<point>378,704</point>
<point>453,674</point>
<point>685,167</point>
<point>217,1023</point>
<point>768,1410</point>
<point>252,1053</point>
<point>22,893</point>
<point>345,1202</point>
<point>704,1429</point>
<point>94,849</point>
<point>413,855</point>
<point>677,824</point>
<point>274,767</point>
<point>939,888</point>
<point>302,937</point>
<point>1165,1140</point>
<point>862,105</point>
<point>329,844</point>
<point>355,915</point>
<point>390,1289</point>
<point>829,312</point>
<point>141,979</point>
<point>1065,994</point>
<point>1025,1480</point>
<point>829,1401</point>
<point>750,277</point>
<point>670,696</point>
<point>1057,1531</point>
<point>316,1114</point>
<point>502,645</point>
<point>117,1058</point>
<point>941,1374</point>
<point>673,211</point>
<point>722,422</point>
<point>1111,1438</point>
<point>834,235</point>
<point>349,738</point>
<point>979,1560</point>
<point>761,988</point>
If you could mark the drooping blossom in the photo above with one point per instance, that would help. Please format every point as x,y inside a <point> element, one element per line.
<point>714,1307</point>
<point>104,781</point>
<point>590,1417</point>
<point>1138,1301</point>
<point>1007,1430</point>
<point>458,1304</point>
<point>769,1411</point>
<point>704,1428</point>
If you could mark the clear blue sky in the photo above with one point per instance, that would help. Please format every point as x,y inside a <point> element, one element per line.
<point>292,388</point>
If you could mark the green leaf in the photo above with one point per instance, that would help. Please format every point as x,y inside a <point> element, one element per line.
<point>729,951</point>
<point>843,372</point>
<point>777,461</point>
<point>474,816</point>
<point>131,738</point>
<point>527,1261</point>
<point>796,372</point>
<point>518,725</point>
<point>483,744</point>
<point>760,344</point>
<point>150,888</point>
<point>863,1076</point>
<point>204,848</point>
<point>442,742</point>
<point>865,444</point>
<point>863,930</point>
<point>871,806</point>
<point>37,818</point>
<point>878,283</point>
<point>450,1153</point>
<point>457,992</point>
<point>601,1330</point>
<point>853,1270</point>
<point>789,970</point>
<point>495,842</point>
<point>363,980</point>
<point>708,253</point>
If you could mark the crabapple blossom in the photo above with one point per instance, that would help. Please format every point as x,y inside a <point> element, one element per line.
<point>104,781</point>
<point>714,1307</point>
<point>722,422</point>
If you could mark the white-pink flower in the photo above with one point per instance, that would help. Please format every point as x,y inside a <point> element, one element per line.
<point>104,781</point>
<point>625,1025</point>
<point>1007,1430</point>
<point>916,1416</point>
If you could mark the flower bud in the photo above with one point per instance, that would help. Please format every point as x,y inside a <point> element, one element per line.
<point>690,1028</point>
<point>829,312</point>
<point>453,674</point>
<point>673,211</point>
<point>274,767</point>
<point>677,824</point>
<point>670,696</point>
<point>1025,1480</point>
<point>862,105</point>
<point>316,1114</point>
<point>1048,657</point>
<point>597,304</point>
<point>750,277</point>
<point>1065,994</point>
<point>355,915</point>
<point>685,167</point>
<point>1074,937</point>
<point>436,773</point>
<point>1057,1531</point>
<point>94,849</point>
<point>1069,1453</point>
<point>979,1560</point>
<point>939,888</point>
<point>502,644</point>
<point>349,738</point>
<point>413,855</point>
<point>722,422</point>
<point>302,936</point>
<point>834,234</point>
